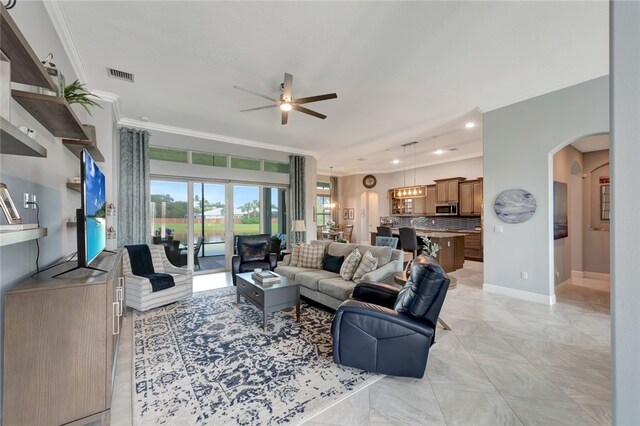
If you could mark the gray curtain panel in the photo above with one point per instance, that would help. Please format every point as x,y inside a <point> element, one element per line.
<point>333,191</point>
<point>297,184</point>
<point>133,194</point>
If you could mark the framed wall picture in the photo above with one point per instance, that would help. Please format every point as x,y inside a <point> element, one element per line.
<point>9,209</point>
<point>345,214</point>
<point>351,213</point>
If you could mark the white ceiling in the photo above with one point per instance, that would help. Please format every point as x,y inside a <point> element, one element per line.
<point>402,71</point>
<point>592,143</point>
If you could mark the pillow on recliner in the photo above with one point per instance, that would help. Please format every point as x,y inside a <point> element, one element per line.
<point>253,252</point>
<point>424,282</point>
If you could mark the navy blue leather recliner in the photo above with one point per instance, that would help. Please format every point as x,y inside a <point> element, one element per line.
<point>389,331</point>
<point>253,251</point>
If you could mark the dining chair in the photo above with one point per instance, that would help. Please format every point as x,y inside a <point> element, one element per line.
<point>348,231</point>
<point>384,231</point>
<point>387,242</point>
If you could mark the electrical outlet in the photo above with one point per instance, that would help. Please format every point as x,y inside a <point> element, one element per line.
<point>33,198</point>
<point>433,222</point>
<point>557,273</point>
<point>498,228</point>
<point>26,200</point>
<point>524,275</point>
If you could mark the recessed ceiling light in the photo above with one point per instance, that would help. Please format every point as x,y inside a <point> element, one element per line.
<point>396,161</point>
<point>439,152</point>
<point>285,106</point>
<point>361,159</point>
<point>470,125</point>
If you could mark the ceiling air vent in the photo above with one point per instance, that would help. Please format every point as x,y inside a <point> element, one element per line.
<point>120,75</point>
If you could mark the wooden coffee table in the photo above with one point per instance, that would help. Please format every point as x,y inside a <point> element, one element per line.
<point>269,298</point>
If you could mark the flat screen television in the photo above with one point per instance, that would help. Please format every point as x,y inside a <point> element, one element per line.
<point>92,217</point>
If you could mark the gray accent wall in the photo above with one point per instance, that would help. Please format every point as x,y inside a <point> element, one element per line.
<point>625,267</point>
<point>596,232</point>
<point>519,143</point>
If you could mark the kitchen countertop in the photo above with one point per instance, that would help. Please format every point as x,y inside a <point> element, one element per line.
<point>439,232</point>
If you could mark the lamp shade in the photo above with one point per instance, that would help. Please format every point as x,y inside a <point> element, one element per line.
<point>298,226</point>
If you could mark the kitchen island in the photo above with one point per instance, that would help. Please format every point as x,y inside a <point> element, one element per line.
<point>452,246</point>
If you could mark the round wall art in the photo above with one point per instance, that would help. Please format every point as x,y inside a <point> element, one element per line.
<point>515,205</point>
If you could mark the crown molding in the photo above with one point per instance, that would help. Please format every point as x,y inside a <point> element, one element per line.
<point>61,25</point>
<point>211,136</point>
<point>113,99</point>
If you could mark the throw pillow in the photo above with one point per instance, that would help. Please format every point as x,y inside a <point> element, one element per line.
<point>332,263</point>
<point>367,264</point>
<point>350,265</point>
<point>311,256</point>
<point>295,255</point>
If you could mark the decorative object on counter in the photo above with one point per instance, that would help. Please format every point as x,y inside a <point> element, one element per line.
<point>76,93</point>
<point>369,181</point>
<point>9,4</point>
<point>515,205</point>
<point>298,228</point>
<point>560,212</point>
<point>55,74</point>
<point>429,248</point>
<point>29,132</point>
<point>9,209</point>
<point>330,224</point>
<point>111,209</point>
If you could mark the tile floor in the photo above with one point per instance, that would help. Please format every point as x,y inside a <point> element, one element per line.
<point>505,362</point>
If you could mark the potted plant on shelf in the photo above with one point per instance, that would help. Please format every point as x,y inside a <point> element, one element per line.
<point>76,93</point>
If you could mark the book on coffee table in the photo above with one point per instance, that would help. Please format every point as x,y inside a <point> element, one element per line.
<point>266,277</point>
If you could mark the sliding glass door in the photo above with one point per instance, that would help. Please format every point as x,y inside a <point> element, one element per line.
<point>216,213</point>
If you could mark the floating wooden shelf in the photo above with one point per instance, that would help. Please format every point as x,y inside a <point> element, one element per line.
<point>73,224</point>
<point>15,237</point>
<point>53,112</point>
<point>13,141</point>
<point>26,68</point>
<point>77,145</point>
<point>73,186</point>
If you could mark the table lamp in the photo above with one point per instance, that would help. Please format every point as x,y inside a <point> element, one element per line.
<point>298,227</point>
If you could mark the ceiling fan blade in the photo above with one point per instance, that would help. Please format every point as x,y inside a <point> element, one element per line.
<point>256,109</point>
<point>288,82</point>
<point>315,98</point>
<point>255,93</point>
<point>285,117</point>
<point>308,111</point>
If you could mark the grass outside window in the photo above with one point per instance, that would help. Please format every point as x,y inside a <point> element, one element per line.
<point>245,163</point>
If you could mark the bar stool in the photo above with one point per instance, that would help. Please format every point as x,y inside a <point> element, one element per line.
<point>384,231</point>
<point>409,243</point>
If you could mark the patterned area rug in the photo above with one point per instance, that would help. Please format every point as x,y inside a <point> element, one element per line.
<point>204,361</point>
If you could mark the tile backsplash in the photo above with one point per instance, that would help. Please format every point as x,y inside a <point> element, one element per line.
<point>453,223</point>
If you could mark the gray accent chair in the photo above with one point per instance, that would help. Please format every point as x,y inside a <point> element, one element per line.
<point>138,291</point>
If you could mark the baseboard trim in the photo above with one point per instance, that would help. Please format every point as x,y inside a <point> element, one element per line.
<point>564,283</point>
<point>593,275</point>
<point>520,294</point>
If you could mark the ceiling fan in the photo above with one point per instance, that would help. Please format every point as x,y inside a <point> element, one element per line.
<point>287,103</point>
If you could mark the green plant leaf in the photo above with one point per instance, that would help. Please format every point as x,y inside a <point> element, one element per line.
<point>76,93</point>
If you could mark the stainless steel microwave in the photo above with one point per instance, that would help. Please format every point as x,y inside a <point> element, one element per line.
<point>449,209</point>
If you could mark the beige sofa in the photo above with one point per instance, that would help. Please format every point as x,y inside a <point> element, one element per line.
<point>328,288</point>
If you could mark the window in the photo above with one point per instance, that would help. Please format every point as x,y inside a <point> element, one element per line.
<point>323,209</point>
<point>245,163</point>
<point>270,166</point>
<point>166,154</point>
<point>207,159</point>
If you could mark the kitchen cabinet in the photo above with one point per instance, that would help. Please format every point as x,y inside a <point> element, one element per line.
<point>451,254</point>
<point>406,206</point>
<point>430,201</point>
<point>447,190</point>
<point>471,198</point>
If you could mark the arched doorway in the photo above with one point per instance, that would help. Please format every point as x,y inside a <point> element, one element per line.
<point>580,228</point>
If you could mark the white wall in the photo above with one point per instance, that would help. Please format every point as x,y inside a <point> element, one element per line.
<point>519,142</point>
<point>625,268</point>
<point>351,188</point>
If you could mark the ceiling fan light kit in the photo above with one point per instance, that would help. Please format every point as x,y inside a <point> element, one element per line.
<point>287,103</point>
